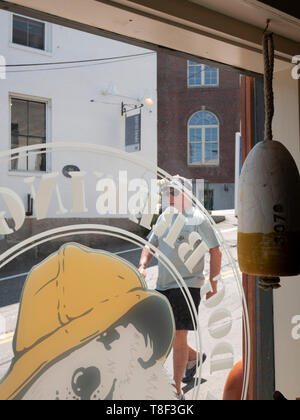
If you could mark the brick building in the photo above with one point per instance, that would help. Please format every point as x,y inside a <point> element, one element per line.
<point>198,117</point>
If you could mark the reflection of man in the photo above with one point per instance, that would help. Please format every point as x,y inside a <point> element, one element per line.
<point>184,356</point>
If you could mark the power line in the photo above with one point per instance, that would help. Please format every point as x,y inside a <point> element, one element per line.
<point>70,67</point>
<point>96,61</point>
<point>76,61</point>
<point>73,67</point>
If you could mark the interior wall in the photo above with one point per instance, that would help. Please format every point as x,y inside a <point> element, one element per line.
<point>287,299</point>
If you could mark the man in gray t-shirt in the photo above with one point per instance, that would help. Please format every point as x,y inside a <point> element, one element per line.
<point>173,235</point>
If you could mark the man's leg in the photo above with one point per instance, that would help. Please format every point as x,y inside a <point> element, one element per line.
<point>192,354</point>
<point>192,365</point>
<point>180,357</point>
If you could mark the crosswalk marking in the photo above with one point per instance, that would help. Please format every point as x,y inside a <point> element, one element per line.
<point>6,338</point>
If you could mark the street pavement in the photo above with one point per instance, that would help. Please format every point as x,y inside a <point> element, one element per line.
<point>212,385</point>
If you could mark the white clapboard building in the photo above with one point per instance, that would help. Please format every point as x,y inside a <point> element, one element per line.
<point>76,88</point>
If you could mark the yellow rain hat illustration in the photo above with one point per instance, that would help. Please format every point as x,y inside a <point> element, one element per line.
<point>68,300</point>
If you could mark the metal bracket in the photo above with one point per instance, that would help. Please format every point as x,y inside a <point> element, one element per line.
<point>124,109</point>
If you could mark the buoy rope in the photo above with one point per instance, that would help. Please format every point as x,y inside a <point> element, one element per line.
<point>268,283</point>
<point>268,46</point>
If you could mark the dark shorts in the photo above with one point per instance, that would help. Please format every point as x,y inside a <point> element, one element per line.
<point>181,311</point>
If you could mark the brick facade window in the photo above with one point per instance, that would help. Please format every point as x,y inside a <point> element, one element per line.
<point>202,75</point>
<point>203,139</point>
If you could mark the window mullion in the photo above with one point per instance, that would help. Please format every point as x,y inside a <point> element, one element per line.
<point>27,33</point>
<point>203,144</point>
<point>27,161</point>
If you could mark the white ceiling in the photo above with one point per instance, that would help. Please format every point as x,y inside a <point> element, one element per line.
<point>256,13</point>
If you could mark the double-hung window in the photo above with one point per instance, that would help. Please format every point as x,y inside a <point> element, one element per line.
<point>28,127</point>
<point>29,32</point>
<point>202,75</point>
<point>203,139</point>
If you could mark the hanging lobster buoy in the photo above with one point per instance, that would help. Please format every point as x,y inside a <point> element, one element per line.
<point>269,212</point>
<point>269,200</point>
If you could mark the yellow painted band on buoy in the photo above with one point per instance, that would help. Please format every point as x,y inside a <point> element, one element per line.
<point>269,255</point>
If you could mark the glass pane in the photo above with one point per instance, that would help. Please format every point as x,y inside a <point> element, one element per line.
<point>204,118</point>
<point>195,135</point>
<point>194,63</point>
<point>196,153</point>
<point>36,162</point>
<point>19,117</point>
<point>18,141</point>
<point>211,76</point>
<point>211,152</point>
<point>37,119</point>
<point>195,75</point>
<point>37,35</point>
<point>20,163</point>
<point>20,31</point>
<point>211,134</point>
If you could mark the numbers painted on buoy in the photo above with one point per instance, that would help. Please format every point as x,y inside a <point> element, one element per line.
<point>296,329</point>
<point>279,219</point>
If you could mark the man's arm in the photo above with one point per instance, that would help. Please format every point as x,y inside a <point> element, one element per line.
<point>146,255</point>
<point>208,234</point>
<point>145,259</point>
<point>215,269</point>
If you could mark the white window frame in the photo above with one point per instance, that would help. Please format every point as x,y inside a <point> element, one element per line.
<point>48,37</point>
<point>203,127</point>
<point>203,84</point>
<point>48,103</point>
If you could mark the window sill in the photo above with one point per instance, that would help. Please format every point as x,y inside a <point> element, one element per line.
<point>27,174</point>
<point>203,86</point>
<point>30,50</point>
<point>193,165</point>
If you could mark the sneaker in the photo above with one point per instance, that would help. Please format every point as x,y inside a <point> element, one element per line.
<point>190,373</point>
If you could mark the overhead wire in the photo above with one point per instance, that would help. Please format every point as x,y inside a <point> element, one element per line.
<point>77,61</point>
<point>84,63</point>
<point>92,63</point>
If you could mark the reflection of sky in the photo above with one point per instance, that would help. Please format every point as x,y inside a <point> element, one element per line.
<point>196,78</point>
<point>196,152</point>
<point>199,134</point>
<point>203,118</point>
